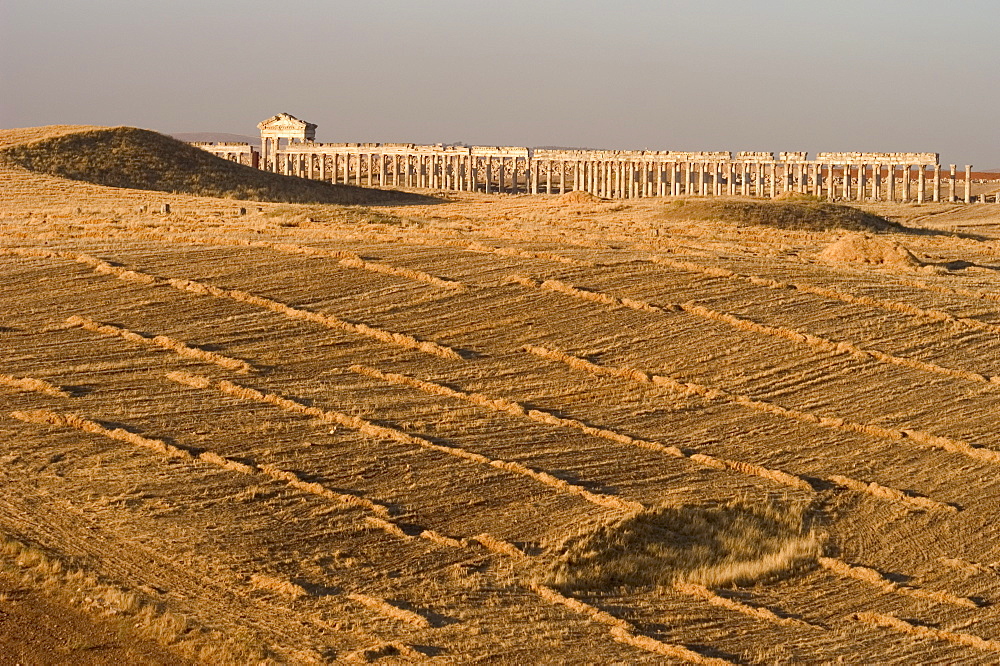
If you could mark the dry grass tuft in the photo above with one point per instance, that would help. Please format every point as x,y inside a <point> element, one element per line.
<point>38,569</point>
<point>710,545</point>
<point>798,215</point>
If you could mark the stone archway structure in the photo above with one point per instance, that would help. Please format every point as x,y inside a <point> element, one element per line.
<point>282,126</point>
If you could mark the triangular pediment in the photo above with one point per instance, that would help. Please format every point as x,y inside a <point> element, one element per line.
<point>285,121</point>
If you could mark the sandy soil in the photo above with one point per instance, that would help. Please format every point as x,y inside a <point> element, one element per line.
<point>351,501</point>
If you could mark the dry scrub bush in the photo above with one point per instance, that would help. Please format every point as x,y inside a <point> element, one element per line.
<point>876,579</point>
<point>920,631</point>
<point>32,384</point>
<point>162,342</point>
<point>389,610</point>
<point>383,432</point>
<point>710,545</point>
<point>765,614</point>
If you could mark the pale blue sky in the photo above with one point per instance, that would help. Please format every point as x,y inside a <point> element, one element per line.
<point>875,75</point>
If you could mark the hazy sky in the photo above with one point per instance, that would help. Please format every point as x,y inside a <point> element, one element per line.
<point>868,75</point>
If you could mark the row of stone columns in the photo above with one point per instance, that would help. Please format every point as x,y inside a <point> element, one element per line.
<point>627,178</point>
<point>425,170</point>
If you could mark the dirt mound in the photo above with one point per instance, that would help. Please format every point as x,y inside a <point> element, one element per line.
<point>867,249</point>
<point>578,196</point>
<point>141,159</point>
<point>796,215</point>
<point>712,545</point>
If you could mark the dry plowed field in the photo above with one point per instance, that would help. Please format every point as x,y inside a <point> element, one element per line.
<point>336,433</point>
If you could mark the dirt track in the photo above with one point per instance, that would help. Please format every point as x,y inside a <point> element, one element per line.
<point>748,350</point>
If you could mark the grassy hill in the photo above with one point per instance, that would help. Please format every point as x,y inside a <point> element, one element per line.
<point>800,215</point>
<point>142,159</point>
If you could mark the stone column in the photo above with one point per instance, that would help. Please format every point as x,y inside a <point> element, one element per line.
<point>937,183</point>
<point>381,169</point>
<point>876,182</point>
<point>773,168</point>
<point>548,176</point>
<point>488,172</point>
<point>848,190</point>
<point>921,183</point>
<point>951,184</point>
<point>968,183</point>
<point>862,181</point>
<point>534,176</point>
<point>513,175</point>
<point>905,185</point>
<point>744,174</point>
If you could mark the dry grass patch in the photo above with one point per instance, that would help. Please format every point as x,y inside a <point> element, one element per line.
<point>794,215</point>
<point>710,545</point>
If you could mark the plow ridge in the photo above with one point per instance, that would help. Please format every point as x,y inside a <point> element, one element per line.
<point>920,631</point>
<point>623,631</point>
<point>689,388</point>
<point>876,579</point>
<point>33,384</point>
<point>759,612</point>
<point>163,342</point>
<point>743,324</point>
<point>383,432</point>
<point>832,294</point>
<point>891,494</point>
<point>200,288</point>
<point>164,448</point>
<point>391,610</point>
<point>516,409</point>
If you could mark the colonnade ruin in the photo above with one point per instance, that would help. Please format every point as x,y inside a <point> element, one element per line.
<point>288,147</point>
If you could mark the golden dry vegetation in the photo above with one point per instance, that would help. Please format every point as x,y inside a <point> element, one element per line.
<point>499,429</point>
